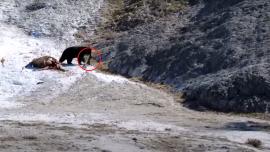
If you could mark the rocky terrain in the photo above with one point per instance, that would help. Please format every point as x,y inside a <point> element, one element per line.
<point>48,18</point>
<point>215,52</point>
<point>100,112</point>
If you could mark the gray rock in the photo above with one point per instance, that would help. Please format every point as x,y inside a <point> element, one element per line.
<point>35,6</point>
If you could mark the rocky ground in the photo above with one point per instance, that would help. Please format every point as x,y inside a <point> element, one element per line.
<point>77,111</point>
<point>95,115</point>
<point>216,52</point>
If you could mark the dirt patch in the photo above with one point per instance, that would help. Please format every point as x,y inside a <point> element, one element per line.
<point>95,115</point>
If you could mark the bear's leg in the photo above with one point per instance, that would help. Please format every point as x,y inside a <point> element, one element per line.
<point>80,61</point>
<point>69,61</point>
<point>81,58</point>
<point>62,59</point>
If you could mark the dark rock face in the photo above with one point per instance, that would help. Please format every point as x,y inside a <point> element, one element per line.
<point>244,90</point>
<point>35,6</point>
<point>217,53</point>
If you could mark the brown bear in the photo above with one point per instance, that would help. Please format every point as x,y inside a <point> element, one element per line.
<point>73,52</point>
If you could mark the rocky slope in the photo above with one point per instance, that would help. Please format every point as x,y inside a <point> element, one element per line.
<point>216,52</point>
<point>61,20</point>
<point>79,111</point>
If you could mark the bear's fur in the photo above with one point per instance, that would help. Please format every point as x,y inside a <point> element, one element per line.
<point>73,52</point>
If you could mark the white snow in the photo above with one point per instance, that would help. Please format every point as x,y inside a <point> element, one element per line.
<point>148,126</point>
<point>110,78</point>
<point>241,136</point>
<point>92,118</point>
<point>10,104</point>
<point>18,49</point>
<point>78,119</point>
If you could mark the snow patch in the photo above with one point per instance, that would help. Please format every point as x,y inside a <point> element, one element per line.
<point>149,126</point>
<point>75,119</point>
<point>8,104</point>
<point>241,136</point>
<point>110,78</point>
<point>18,50</point>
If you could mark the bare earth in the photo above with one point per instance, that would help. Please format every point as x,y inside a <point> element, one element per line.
<point>121,117</point>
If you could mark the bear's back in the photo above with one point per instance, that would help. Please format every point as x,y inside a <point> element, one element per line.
<point>74,50</point>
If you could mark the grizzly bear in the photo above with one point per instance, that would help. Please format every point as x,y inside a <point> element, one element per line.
<point>73,52</point>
